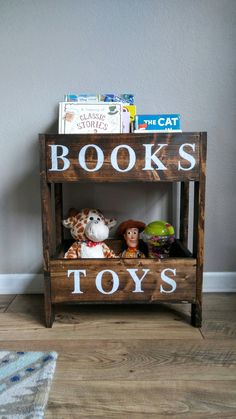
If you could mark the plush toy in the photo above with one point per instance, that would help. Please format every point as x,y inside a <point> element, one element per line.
<point>89,228</point>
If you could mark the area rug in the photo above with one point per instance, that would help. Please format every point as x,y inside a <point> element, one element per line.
<point>25,380</point>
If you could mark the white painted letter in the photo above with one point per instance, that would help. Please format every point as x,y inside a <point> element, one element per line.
<point>168,280</point>
<point>77,273</point>
<point>99,282</point>
<point>187,157</point>
<point>55,157</point>
<point>136,279</point>
<point>132,158</point>
<point>100,158</point>
<point>149,157</point>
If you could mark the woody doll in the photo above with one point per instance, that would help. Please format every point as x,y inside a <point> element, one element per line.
<point>130,230</point>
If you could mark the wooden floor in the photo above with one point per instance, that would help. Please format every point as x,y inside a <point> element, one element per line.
<point>131,362</point>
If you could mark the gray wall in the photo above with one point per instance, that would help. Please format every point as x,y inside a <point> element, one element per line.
<point>175,56</point>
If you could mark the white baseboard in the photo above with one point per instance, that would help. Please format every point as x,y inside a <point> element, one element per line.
<point>21,283</point>
<point>219,282</point>
<point>33,283</point>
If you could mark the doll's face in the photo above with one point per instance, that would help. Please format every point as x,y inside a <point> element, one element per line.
<point>131,237</point>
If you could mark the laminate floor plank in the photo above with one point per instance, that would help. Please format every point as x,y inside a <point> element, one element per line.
<point>142,399</point>
<point>119,326</point>
<point>27,303</point>
<point>131,361</point>
<point>219,329</point>
<point>69,312</point>
<point>219,302</point>
<point>5,301</point>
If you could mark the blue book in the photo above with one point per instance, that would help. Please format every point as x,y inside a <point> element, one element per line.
<point>157,123</point>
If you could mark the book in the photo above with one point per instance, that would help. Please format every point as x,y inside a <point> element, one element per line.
<point>81,118</point>
<point>157,123</point>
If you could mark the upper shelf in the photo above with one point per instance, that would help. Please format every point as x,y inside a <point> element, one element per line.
<point>122,157</point>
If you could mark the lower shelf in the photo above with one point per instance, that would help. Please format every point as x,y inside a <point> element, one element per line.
<point>124,280</point>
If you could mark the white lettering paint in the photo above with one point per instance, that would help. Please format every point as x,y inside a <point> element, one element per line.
<point>132,158</point>
<point>55,157</point>
<point>165,276</point>
<point>168,281</point>
<point>136,279</point>
<point>187,157</point>
<point>149,157</point>
<point>115,284</point>
<point>100,157</point>
<point>76,273</point>
<point>151,161</point>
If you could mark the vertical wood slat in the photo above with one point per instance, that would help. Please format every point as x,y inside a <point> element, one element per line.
<point>46,231</point>
<point>184,213</point>
<point>199,224</point>
<point>58,212</point>
<point>45,207</point>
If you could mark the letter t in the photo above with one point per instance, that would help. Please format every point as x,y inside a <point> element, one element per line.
<point>77,273</point>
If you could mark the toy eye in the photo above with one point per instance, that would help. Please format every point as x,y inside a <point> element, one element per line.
<point>91,218</point>
<point>98,219</point>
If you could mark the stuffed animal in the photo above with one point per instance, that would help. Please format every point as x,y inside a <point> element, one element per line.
<point>89,228</point>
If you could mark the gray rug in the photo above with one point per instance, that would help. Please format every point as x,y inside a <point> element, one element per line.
<point>25,380</point>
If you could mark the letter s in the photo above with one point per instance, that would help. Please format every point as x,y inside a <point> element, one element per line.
<point>187,157</point>
<point>168,281</point>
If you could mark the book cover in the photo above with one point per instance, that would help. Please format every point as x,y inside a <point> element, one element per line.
<point>158,123</point>
<point>76,118</point>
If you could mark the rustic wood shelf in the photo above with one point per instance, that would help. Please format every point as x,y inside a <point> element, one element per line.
<point>177,157</point>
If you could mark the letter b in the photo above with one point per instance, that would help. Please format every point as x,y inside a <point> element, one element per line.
<point>55,157</point>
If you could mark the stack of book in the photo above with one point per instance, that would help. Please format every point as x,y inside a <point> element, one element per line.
<point>110,113</point>
<point>106,113</point>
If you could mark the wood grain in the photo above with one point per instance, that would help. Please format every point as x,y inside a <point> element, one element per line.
<point>199,224</point>
<point>132,361</point>
<point>184,213</point>
<point>169,156</point>
<point>143,398</point>
<point>70,327</point>
<point>47,231</point>
<point>181,270</point>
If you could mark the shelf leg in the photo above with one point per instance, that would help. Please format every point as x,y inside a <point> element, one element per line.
<point>198,237</point>
<point>47,229</point>
<point>48,306</point>
<point>196,315</point>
